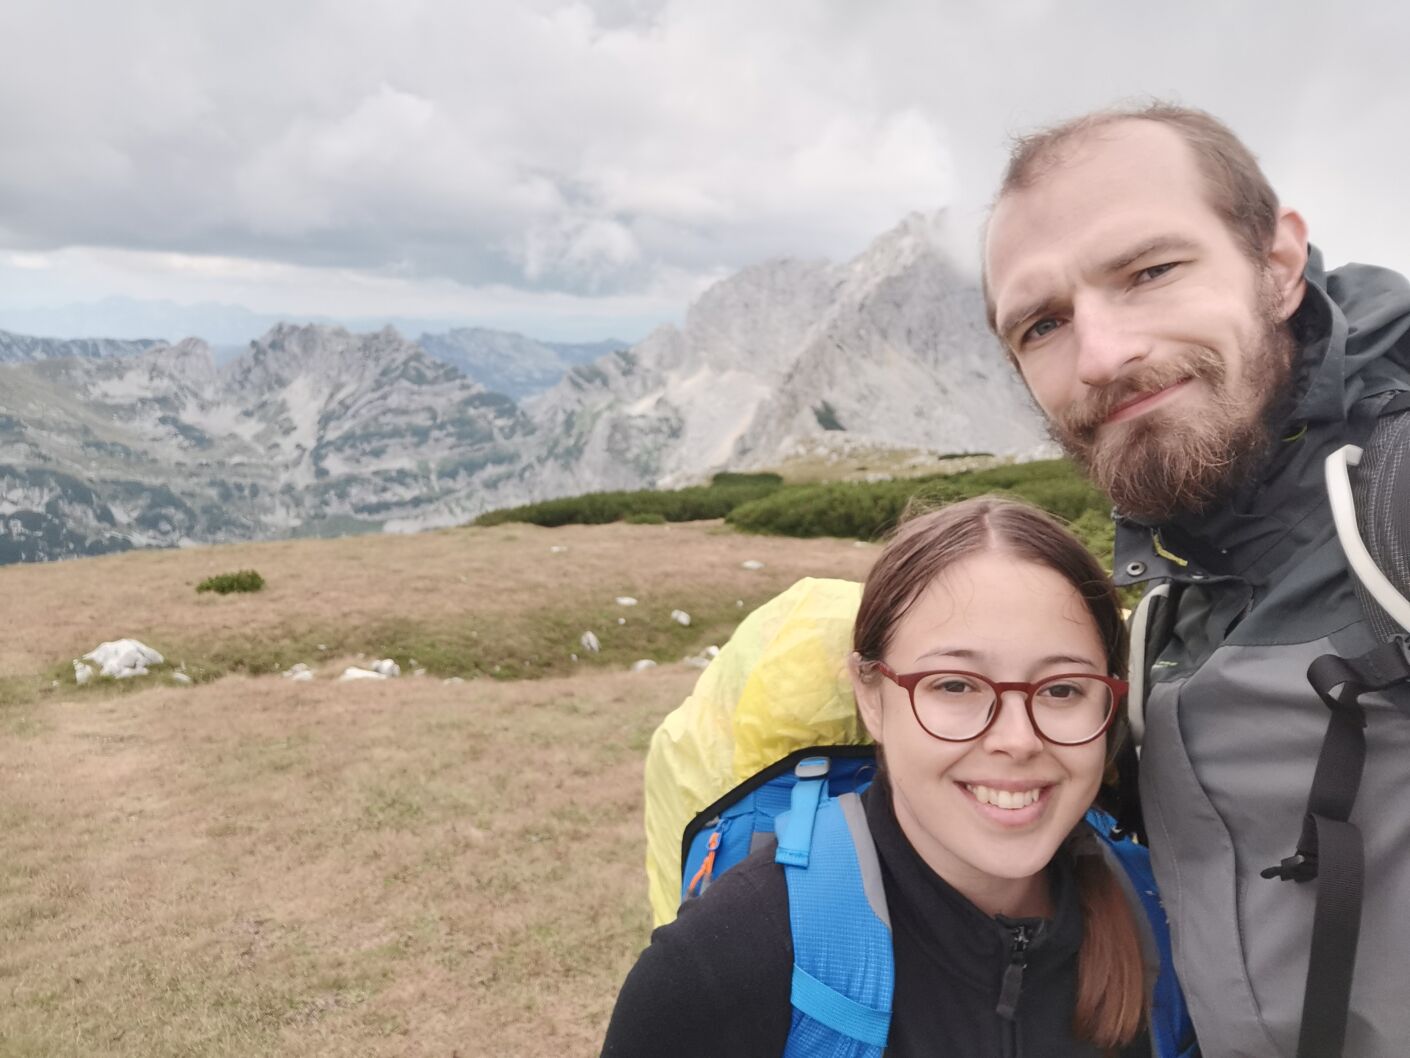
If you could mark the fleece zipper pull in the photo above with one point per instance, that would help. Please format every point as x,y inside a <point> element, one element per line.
<point>1020,936</point>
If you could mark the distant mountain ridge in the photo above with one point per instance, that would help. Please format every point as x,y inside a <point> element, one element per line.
<point>509,363</point>
<point>312,430</point>
<point>23,348</point>
<point>316,430</point>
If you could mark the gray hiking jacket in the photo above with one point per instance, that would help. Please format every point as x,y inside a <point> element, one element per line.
<point>1233,729</point>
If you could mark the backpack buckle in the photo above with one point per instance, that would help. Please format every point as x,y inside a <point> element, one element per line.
<point>1295,868</point>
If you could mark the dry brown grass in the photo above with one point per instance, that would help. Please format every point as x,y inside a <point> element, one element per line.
<point>255,866</point>
<point>468,599</point>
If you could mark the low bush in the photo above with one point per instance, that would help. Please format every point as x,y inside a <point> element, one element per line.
<point>715,500</point>
<point>866,511</point>
<point>863,511</point>
<point>225,583</point>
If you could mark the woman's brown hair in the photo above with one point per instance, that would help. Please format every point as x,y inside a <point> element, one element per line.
<point>1112,996</point>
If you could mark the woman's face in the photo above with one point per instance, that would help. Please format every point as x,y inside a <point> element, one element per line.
<point>1007,619</point>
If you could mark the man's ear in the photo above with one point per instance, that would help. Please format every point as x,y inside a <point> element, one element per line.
<point>1287,260</point>
<point>866,688</point>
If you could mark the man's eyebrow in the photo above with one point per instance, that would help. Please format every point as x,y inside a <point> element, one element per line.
<point>1160,244</point>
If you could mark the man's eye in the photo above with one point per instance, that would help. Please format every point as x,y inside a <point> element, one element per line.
<point>1041,329</point>
<point>1145,275</point>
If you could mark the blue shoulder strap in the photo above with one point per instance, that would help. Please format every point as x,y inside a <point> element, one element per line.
<point>843,967</point>
<point>1171,1028</point>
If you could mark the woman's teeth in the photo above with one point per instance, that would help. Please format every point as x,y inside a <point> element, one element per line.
<point>1005,798</point>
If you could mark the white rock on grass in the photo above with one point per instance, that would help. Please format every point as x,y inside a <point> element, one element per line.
<point>300,672</point>
<point>625,600</point>
<point>387,667</point>
<point>643,665</point>
<point>696,661</point>
<point>557,549</point>
<point>712,651</point>
<point>121,658</point>
<point>751,563</point>
<point>182,678</point>
<point>352,672</point>
<point>453,679</point>
<point>590,642</point>
<point>81,673</point>
<point>681,618</point>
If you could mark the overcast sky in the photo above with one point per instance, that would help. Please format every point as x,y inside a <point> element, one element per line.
<point>582,170</point>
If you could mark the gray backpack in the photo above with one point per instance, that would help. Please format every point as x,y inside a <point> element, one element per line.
<point>1372,518</point>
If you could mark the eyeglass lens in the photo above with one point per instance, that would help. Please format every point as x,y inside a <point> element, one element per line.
<point>954,705</point>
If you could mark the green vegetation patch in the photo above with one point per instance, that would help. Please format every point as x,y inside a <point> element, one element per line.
<point>724,493</point>
<point>868,510</point>
<point>225,583</point>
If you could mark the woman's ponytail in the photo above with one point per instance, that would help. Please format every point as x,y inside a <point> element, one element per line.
<point>1113,999</point>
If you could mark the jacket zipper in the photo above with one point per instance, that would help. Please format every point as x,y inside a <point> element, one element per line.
<point>1020,936</point>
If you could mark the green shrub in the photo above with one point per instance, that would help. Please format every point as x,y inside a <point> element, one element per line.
<point>731,477</point>
<point>862,511</point>
<point>646,518</point>
<point>866,511</point>
<point>225,583</point>
<point>715,500</point>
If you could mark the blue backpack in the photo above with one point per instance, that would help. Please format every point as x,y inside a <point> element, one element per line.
<point>844,971</point>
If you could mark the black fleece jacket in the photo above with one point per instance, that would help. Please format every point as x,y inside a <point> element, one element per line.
<point>715,983</point>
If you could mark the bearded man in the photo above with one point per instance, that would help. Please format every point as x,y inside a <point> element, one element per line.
<point>1193,356</point>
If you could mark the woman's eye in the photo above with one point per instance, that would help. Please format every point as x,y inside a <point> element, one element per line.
<point>952,685</point>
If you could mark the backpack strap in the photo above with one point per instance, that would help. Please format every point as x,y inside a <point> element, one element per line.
<point>1377,545</point>
<point>1172,1031</point>
<point>1330,847</point>
<point>843,964</point>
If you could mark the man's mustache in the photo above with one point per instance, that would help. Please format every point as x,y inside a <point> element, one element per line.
<point>1082,420</point>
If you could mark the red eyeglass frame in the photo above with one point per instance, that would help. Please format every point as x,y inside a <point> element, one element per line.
<point>908,681</point>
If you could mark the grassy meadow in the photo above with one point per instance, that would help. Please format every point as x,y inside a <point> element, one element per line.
<point>250,865</point>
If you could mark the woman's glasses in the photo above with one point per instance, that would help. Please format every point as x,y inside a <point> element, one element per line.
<point>1067,710</point>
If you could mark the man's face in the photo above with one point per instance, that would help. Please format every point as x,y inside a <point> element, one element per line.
<point>1151,341</point>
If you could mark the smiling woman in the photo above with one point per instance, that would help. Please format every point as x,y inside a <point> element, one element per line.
<point>987,664</point>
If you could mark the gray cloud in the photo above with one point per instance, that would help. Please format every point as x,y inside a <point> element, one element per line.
<point>529,144</point>
<point>635,147</point>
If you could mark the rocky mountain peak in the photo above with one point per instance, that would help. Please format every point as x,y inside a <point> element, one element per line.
<point>328,358</point>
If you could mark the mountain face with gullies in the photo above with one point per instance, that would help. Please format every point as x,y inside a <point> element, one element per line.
<point>312,430</point>
<point>791,358</point>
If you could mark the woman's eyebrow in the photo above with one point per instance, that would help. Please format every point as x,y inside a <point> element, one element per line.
<point>979,655</point>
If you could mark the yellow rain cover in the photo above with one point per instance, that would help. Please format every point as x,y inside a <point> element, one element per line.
<point>780,684</point>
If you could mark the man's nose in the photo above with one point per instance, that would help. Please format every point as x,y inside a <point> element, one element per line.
<point>1012,732</point>
<point>1107,343</point>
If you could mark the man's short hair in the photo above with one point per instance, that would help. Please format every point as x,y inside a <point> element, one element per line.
<point>1238,190</point>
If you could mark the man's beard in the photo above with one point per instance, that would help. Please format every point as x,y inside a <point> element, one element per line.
<point>1159,465</point>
